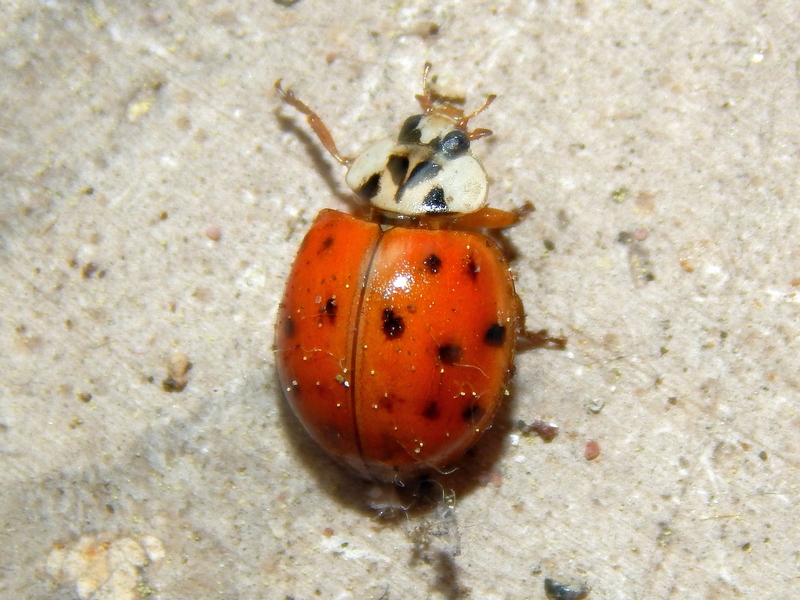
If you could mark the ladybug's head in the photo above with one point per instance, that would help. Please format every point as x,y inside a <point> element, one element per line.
<point>429,168</point>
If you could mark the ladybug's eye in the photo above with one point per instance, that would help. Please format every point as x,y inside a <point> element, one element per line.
<point>409,132</point>
<point>454,144</point>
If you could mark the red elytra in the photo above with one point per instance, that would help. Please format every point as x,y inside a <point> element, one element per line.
<point>395,348</point>
<point>396,334</point>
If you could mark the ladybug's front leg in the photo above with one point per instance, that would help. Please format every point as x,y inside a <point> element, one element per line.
<point>319,128</point>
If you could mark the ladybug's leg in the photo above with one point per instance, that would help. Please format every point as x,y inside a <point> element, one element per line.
<point>440,105</point>
<point>495,219</point>
<point>427,103</point>
<point>319,128</point>
<point>477,134</point>
<point>528,340</point>
<point>492,218</point>
<point>484,218</point>
<point>425,99</point>
<point>524,211</point>
<point>510,250</point>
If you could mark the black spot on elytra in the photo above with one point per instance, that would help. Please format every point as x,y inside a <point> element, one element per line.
<point>326,243</point>
<point>329,310</point>
<point>454,144</point>
<point>431,411</point>
<point>398,168</point>
<point>409,132</point>
<point>370,187</point>
<point>450,354</point>
<point>472,413</point>
<point>495,335</point>
<point>387,403</point>
<point>288,327</point>
<point>471,267</point>
<point>433,263</point>
<point>434,201</point>
<point>393,326</point>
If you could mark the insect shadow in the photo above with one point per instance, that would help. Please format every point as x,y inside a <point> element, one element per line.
<point>319,158</point>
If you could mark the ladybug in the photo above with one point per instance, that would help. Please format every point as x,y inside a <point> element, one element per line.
<point>396,334</point>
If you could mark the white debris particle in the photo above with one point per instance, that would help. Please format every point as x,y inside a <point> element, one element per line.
<point>253,278</point>
<point>348,551</point>
<point>104,567</point>
<point>153,547</point>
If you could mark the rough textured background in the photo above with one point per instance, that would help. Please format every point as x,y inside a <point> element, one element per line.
<point>659,142</point>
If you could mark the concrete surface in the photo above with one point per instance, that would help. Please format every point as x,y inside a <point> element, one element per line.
<point>153,194</point>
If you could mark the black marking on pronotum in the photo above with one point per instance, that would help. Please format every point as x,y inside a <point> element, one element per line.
<point>409,132</point>
<point>431,411</point>
<point>433,263</point>
<point>495,335</point>
<point>472,413</point>
<point>397,165</point>
<point>454,144</point>
<point>370,187</point>
<point>329,310</point>
<point>326,243</point>
<point>434,202</point>
<point>393,325</point>
<point>424,171</point>
<point>450,354</point>
<point>421,173</point>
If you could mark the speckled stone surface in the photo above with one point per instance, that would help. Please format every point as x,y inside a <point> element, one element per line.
<point>153,193</point>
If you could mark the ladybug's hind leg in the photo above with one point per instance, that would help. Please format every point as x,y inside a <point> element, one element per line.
<point>528,340</point>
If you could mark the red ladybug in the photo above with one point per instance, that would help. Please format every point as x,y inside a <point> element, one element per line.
<point>396,333</point>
